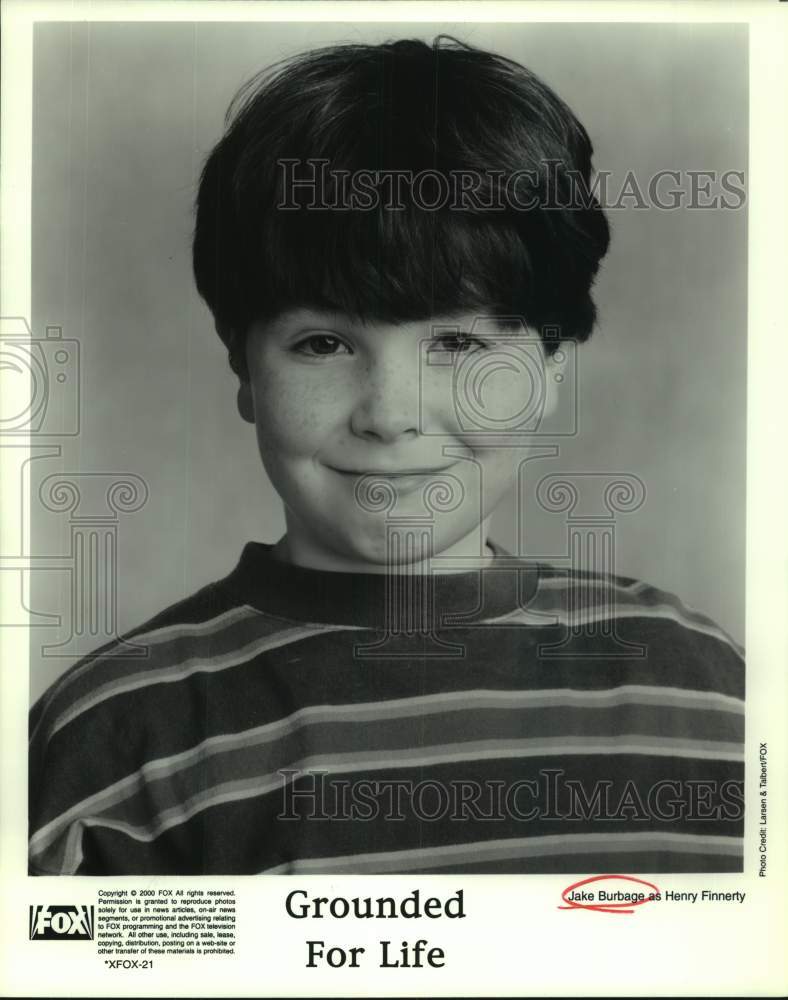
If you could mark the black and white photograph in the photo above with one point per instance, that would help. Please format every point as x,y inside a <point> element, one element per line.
<point>381,463</point>
<point>408,491</point>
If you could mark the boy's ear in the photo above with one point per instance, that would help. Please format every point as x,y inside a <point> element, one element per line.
<point>552,368</point>
<point>245,402</point>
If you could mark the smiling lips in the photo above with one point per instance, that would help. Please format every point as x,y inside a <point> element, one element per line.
<point>402,480</point>
<point>392,475</point>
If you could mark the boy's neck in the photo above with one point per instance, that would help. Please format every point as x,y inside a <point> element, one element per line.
<point>287,552</point>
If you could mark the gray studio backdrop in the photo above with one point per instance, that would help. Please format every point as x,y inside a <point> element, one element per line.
<point>124,115</point>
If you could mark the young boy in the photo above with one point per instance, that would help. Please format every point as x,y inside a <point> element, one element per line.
<point>383,235</point>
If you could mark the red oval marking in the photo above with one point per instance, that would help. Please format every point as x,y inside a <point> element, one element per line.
<point>620,906</point>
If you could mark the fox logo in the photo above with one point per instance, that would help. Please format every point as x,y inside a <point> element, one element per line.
<point>61,923</point>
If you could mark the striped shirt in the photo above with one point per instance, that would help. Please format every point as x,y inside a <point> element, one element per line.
<point>519,718</point>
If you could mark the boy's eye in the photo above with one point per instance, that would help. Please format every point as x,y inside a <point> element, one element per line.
<point>456,343</point>
<point>319,345</point>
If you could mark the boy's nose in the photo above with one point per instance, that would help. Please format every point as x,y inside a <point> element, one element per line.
<point>388,408</point>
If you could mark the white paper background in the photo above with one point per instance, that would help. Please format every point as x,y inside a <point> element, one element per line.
<point>515,940</point>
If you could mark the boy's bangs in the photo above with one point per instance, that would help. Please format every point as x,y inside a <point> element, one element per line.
<point>275,230</point>
<point>392,266</point>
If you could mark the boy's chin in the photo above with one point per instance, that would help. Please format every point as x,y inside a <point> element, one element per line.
<point>392,552</point>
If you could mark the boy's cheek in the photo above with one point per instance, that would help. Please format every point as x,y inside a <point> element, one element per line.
<point>495,394</point>
<point>290,421</point>
<point>509,390</point>
<point>290,477</point>
<point>496,472</point>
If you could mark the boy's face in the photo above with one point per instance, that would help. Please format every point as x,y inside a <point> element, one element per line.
<point>334,401</point>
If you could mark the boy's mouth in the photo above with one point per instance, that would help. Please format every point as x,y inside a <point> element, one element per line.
<point>402,479</point>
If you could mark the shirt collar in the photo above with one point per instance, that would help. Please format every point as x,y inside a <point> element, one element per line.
<point>405,603</point>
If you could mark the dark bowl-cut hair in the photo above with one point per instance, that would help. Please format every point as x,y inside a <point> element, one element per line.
<point>399,106</point>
